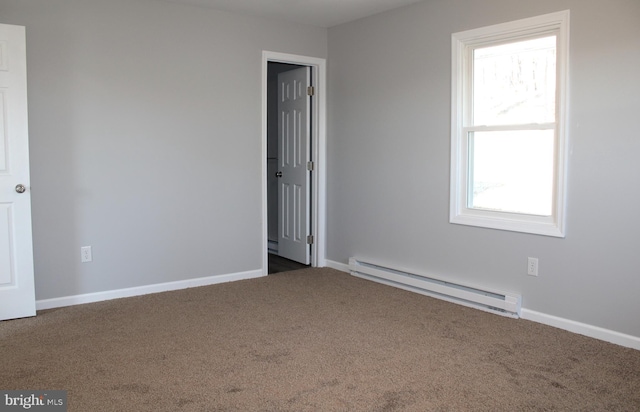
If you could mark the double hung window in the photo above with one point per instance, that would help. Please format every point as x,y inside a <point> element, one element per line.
<point>508,125</point>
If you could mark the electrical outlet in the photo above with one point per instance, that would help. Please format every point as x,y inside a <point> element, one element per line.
<point>532,266</point>
<point>85,254</point>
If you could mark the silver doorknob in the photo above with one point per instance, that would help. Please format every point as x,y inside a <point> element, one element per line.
<point>278,174</point>
<point>20,188</point>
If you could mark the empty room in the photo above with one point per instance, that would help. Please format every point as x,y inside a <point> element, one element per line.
<point>319,205</point>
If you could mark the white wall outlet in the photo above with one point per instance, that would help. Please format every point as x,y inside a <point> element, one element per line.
<point>85,254</point>
<point>532,266</point>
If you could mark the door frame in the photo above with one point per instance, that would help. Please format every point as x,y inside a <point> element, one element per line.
<point>318,153</point>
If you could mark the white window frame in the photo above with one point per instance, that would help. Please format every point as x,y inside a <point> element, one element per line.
<point>462,72</point>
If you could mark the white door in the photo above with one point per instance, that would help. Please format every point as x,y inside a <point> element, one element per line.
<point>294,123</point>
<point>17,295</point>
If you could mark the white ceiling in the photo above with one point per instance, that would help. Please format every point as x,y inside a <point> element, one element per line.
<point>321,13</point>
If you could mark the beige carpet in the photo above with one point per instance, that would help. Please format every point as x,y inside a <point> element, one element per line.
<point>310,340</point>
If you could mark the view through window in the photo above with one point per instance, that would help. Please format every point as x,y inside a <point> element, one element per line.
<point>512,162</point>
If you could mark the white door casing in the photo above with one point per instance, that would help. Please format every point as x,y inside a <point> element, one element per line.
<point>17,291</point>
<point>318,68</point>
<point>294,133</point>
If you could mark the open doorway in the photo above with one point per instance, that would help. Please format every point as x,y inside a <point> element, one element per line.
<point>299,240</point>
<point>289,125</point>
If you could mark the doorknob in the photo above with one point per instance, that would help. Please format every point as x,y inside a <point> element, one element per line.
<point>278,174</point>
<point>20,188</point>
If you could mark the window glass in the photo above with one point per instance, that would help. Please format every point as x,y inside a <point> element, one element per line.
<point>512,171</point>
<point>515,83</point>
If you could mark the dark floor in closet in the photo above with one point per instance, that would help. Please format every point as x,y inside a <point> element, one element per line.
<point>279,264</point>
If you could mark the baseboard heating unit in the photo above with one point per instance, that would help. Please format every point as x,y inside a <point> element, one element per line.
<point>501,303</point>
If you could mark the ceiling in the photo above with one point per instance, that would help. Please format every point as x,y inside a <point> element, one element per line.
<point>321,13</point>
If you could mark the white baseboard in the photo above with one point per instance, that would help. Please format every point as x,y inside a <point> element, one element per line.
<point>337,266</point>
<point>591,331</point>
<point>144,290</point>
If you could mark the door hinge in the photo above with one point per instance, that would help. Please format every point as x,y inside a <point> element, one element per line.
<point>311,91</point>
<point>310,240</point>
<point>310,166</point>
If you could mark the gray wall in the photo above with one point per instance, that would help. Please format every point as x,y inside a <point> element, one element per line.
<point>145,137</point>
<point>388,158</point>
